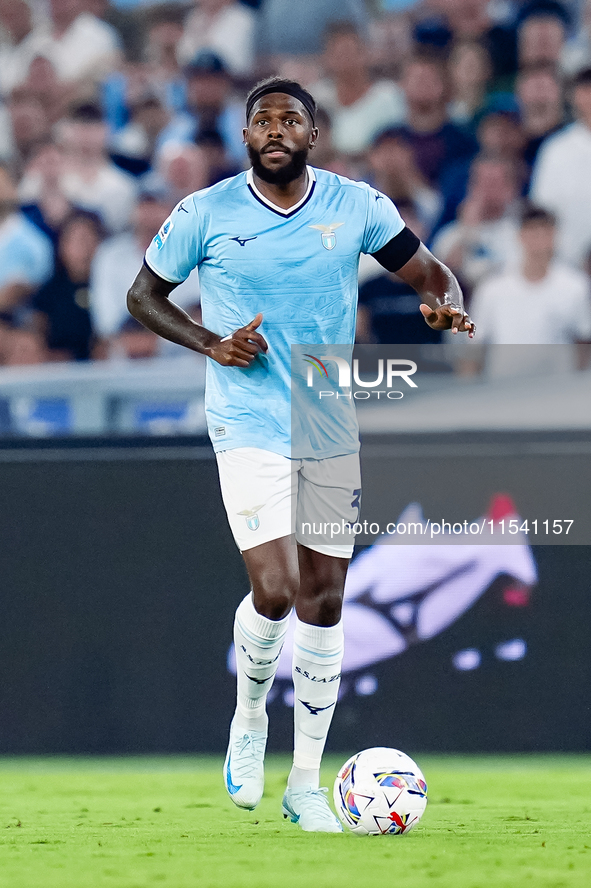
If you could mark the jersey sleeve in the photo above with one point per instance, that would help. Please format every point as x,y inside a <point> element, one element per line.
<point>177,248</point>
<point>383,222</point>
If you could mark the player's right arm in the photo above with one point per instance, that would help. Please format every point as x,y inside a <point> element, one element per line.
<point>175,251</point>
<point>148,302</point>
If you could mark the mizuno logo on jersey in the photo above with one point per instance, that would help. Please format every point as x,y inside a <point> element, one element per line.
<point>328,236</point>
<point>243,240</point>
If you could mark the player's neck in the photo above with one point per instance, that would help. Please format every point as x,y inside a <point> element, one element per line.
<point>284,196</point>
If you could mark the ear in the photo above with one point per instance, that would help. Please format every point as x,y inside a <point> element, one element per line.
<point>313,138</point>
<point>245,135</point>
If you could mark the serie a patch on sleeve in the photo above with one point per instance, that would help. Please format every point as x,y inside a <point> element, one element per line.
<point>163,233</point>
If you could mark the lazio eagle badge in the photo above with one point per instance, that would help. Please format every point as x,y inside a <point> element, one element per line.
<point>328,236</point>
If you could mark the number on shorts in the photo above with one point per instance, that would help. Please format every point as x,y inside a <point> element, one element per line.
<point>356,503</point>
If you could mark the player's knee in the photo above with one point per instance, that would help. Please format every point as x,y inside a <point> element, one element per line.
<point>323,599</point>
<point>274,600</point>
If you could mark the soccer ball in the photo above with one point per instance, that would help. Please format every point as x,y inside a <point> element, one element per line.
<point>380,791</point>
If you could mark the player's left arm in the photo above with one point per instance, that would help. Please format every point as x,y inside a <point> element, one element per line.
<point>442,303</point>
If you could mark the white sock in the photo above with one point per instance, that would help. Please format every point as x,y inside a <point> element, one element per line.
<point>258,642</point>
<point>317,658</point>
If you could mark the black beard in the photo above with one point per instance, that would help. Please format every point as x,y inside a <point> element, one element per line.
<point>283,176</point>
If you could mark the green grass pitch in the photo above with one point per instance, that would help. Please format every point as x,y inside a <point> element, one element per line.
<point>491,822</point>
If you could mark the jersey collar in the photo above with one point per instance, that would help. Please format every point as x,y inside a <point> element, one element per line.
<point>279,210</point>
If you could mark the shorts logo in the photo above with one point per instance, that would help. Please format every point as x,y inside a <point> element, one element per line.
<point>252,518</point>
<point>328,236</point>
<point>163,234</point>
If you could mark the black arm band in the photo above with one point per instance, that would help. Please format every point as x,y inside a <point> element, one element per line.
<point>398,251</point>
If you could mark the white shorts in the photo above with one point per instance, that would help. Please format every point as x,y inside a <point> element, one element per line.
<point>268,496</point>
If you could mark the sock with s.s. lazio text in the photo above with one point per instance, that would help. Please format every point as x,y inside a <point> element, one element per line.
<point>258,642</point>
<point>317,659</point>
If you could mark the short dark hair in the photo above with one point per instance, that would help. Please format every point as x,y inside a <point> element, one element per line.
<point>544,9</point>
<point>582,78</point>
<point>281,85</point>
<point>88,218</point>
<point>86,112</point>
<point>534,214</point>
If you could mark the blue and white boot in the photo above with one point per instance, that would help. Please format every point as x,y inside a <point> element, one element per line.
<point>309,808</point>
<point>244,772</point>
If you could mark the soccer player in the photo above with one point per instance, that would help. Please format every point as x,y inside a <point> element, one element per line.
<point>277,250</point>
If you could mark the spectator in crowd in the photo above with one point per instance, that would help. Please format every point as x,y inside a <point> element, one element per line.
<point>27,125</point>
<point>210,106</point>
<point>282,32</point>
<point>43,84</point>
<point>62,303</point>
<point>539,302</point>
<point>89,179</point>
<point>158,73</point>
<point>133,147</point>
<point>134,342</point>
<point>225,27</point>
<point>539,93</point>
<point>181,170</point>
<point>499,129</point>
<point>393,170</point>
<point>326,156</point>
<point>20,346</point>
<point>484,237</point>
<point>18,34</point>
<point>164,31</point>
<point>116,263</point>
<point>42,199</point>
<point>26,255</point>
<point>470,72</point>
<point>561,180</point>
<point>577,52</point>
<point>358,106</point>
<point>214,157</point>
<point>435,141</point>
<point>541,33</point>
<point>78,44</point>
<point>472,20</point>
<point>388,310</point>
<point>390,40</point>
<point>499,134</point>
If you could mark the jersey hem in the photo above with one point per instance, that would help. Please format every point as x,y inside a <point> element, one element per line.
<point>219,447</point>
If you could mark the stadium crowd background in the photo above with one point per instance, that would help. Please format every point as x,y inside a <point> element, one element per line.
<point>473,116</point>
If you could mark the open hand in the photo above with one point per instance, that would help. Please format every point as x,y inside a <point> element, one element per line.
<point>241,347</point>
<point>448,317</point>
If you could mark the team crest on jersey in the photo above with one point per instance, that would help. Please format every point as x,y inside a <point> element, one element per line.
<point>163,233</point>
<point>327,233</point>
<point>252,518</point>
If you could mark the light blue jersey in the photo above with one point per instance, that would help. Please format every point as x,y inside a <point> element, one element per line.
<point>297,267</point>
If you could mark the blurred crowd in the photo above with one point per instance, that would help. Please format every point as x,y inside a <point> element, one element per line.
<point>473,116</point>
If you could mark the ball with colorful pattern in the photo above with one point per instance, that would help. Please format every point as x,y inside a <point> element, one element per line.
<point>380,791</point>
